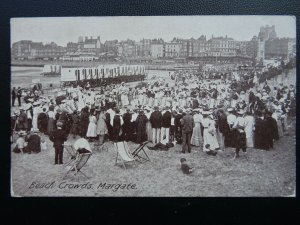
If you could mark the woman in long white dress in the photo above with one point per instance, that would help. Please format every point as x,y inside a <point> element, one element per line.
<point>101,129</point>
<point>210,142</point>
<point>92,128</point>
<point>277,116</point>
<point>148,125</point>
<point>197,139</point>
<point>36,111</point>
<point>249,129</point>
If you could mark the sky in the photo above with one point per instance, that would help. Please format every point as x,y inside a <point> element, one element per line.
<point>62,30</point>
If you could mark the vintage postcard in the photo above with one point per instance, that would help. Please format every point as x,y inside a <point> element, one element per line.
<point>153,106</point>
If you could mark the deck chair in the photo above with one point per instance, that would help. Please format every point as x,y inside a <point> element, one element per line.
<point>71,152</point>
<point>123,153</point>
<point>139,153</point>
<point>81,160</point>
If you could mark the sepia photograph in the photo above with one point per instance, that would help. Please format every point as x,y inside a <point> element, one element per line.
<point>153,106</point>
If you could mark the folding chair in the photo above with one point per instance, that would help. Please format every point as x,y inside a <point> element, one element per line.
<point>72,153</point>
<point>137,152</point>
<point>122,151</point>
<point>81,160</point>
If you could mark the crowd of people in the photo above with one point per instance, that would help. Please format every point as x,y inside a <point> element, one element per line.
<point>206,114</point>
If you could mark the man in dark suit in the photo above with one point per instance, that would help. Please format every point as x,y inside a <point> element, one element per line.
<point>13,96</point>
<point>156,120</point>
<point>178,127</point>
<point>188,124</point>
<point>19,95</point>
<point>127,126</point>
<point>166,124</point>
<point>58,138</point>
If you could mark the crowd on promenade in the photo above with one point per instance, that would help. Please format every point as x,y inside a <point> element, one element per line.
<point>209,114</point>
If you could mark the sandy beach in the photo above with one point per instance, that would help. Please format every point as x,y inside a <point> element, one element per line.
<point>257,173</point>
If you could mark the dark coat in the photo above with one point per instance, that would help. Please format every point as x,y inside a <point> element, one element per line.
<point>259,134</point>
<point>187,123</point>
<point>42,122</point>
<point>34,143</point>
<point>166,120</point>
<point>116,127</point>
<point>177,120</point>
<point>58,138</point>
<point>127,122</point>
<point>84,122</point>
<point>141,132</point>
<point>156,119</point>
<point>23,124</point>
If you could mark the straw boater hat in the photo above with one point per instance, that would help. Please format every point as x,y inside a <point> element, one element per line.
<point>230,109</point>
<point>206,112</point>
<point>240,112</point>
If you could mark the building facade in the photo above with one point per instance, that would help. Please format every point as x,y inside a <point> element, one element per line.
<point>22,49</point>
<point>278,48</point>
<point>157,50</point>
<point>267,32</point>
<point>172,49</point>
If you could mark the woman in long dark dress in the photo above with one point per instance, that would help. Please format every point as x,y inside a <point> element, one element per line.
<point>84,121</point>
<point>141,122</point>
<point>259,133</point>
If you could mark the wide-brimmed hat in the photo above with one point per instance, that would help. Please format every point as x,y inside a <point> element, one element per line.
<point>206,112</point>
<point>230,109</point>
<point>240,112</point>
<point>36,103</point>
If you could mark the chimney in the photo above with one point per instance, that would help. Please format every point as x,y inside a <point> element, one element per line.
<point>91,37</point>
<point>86,37</point>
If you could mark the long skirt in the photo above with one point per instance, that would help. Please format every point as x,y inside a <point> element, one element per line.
<point>92,130</point>
<point>220,138</point>
<point>210,142</point>
<point>151,101</point>
<point>124,100</point>
<point>149,131</point>
<point>280,129</point>
<point>197,139</point>
<point>249,137</point>
<point>50,125</point>
<point>34,123</point>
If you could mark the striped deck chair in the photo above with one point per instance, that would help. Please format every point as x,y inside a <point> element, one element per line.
<point>79,163</point>
<point>123,153</point>
<point>139,153</point>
